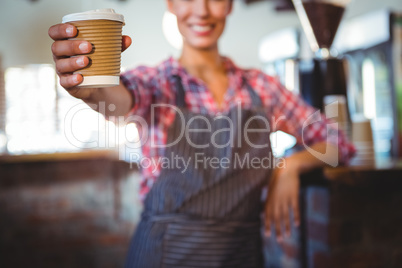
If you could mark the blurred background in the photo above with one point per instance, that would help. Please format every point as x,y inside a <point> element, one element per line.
<point>25,53</point>
<point>260,34</point>
<point>68,187</point>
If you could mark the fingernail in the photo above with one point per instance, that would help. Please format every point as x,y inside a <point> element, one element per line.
<point>279,239</point>
<point>267,233</point>
<point>75,79</point>
<point>70,30</point>
<point>80,61</point>
<point>83,47</point>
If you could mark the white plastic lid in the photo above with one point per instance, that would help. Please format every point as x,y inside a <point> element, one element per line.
<point>97,14</point>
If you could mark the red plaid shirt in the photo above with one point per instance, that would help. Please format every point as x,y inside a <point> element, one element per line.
<point>153,85</point>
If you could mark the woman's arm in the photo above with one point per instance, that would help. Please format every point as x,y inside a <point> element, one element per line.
<point>284,186</point>
<point>117,100</point>
<point>63,51</point>
<point>323,143</point>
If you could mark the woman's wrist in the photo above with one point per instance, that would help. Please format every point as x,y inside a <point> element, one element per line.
<point>304,161</point>
<point>293,164</point>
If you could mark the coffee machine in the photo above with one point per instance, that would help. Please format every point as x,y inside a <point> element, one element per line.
<point>326,73</point>
<point>324,82</point>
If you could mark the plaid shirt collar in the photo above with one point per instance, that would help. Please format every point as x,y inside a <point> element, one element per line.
<point>172,67</point>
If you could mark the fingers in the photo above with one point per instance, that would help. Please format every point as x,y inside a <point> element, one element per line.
<point>273,219</point>
<point>296,212</point>
<point>268,217</point>
<point>126,42</point>
<point>278,225</point>
<point>62,49</point>
<point>70,65</point>
<point>285,218</point>
<point>268,226</point>
<point>62,31</point>
<point>277,213</point>
<point>71,80</point>
<point>71,48</point>
<point>66,66</point>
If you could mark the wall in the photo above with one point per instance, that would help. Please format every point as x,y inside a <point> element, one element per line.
<point>24,28</point>
<point>67,213</point>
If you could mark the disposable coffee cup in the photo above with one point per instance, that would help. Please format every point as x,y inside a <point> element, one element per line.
<point>103,29</point>
<point>335,108</point>
<point>362,131</point>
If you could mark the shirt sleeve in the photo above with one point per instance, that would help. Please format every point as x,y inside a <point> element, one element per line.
<point>297,118</point>
<point>140,82</point>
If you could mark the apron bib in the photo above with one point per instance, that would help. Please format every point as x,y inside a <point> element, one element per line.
<point>208,215</point>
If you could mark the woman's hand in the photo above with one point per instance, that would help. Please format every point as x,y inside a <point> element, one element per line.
<point>63,51</point>
<point>282,198</point>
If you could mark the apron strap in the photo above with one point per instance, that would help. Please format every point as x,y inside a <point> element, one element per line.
<point>255,98</point>
<point>180,93</point>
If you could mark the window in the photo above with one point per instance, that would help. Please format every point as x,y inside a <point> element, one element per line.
<point>41,117</point>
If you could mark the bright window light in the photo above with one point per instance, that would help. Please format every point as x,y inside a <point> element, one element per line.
<point>369,89</point>
<point>279,45</point>
<point>290,75</point>
<point>170,30</point>
<point>43,118</point>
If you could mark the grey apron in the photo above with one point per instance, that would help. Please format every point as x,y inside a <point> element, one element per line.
<point>206,216</point>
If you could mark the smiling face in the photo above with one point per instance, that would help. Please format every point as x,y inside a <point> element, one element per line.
<point>201,22</point>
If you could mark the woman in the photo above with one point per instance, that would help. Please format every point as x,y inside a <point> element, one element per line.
<point>206,214</point>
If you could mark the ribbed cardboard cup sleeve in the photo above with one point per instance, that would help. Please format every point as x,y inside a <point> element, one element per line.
<point>105,58</point>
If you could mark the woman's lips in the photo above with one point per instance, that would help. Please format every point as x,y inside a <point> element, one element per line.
<point>202,30</point>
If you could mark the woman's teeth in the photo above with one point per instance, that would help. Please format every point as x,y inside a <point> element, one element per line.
<point>201,29</point>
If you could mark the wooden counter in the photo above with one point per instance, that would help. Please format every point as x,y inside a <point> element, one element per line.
<point>67,209</point>
<point>351,217</point>
<point>355,175</point>
<point>62,156</point>
<point>80,209</point>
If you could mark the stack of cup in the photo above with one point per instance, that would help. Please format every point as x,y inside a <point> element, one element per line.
<point>103,29</point>
<point>362,138</point>
<point>336,110</point>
